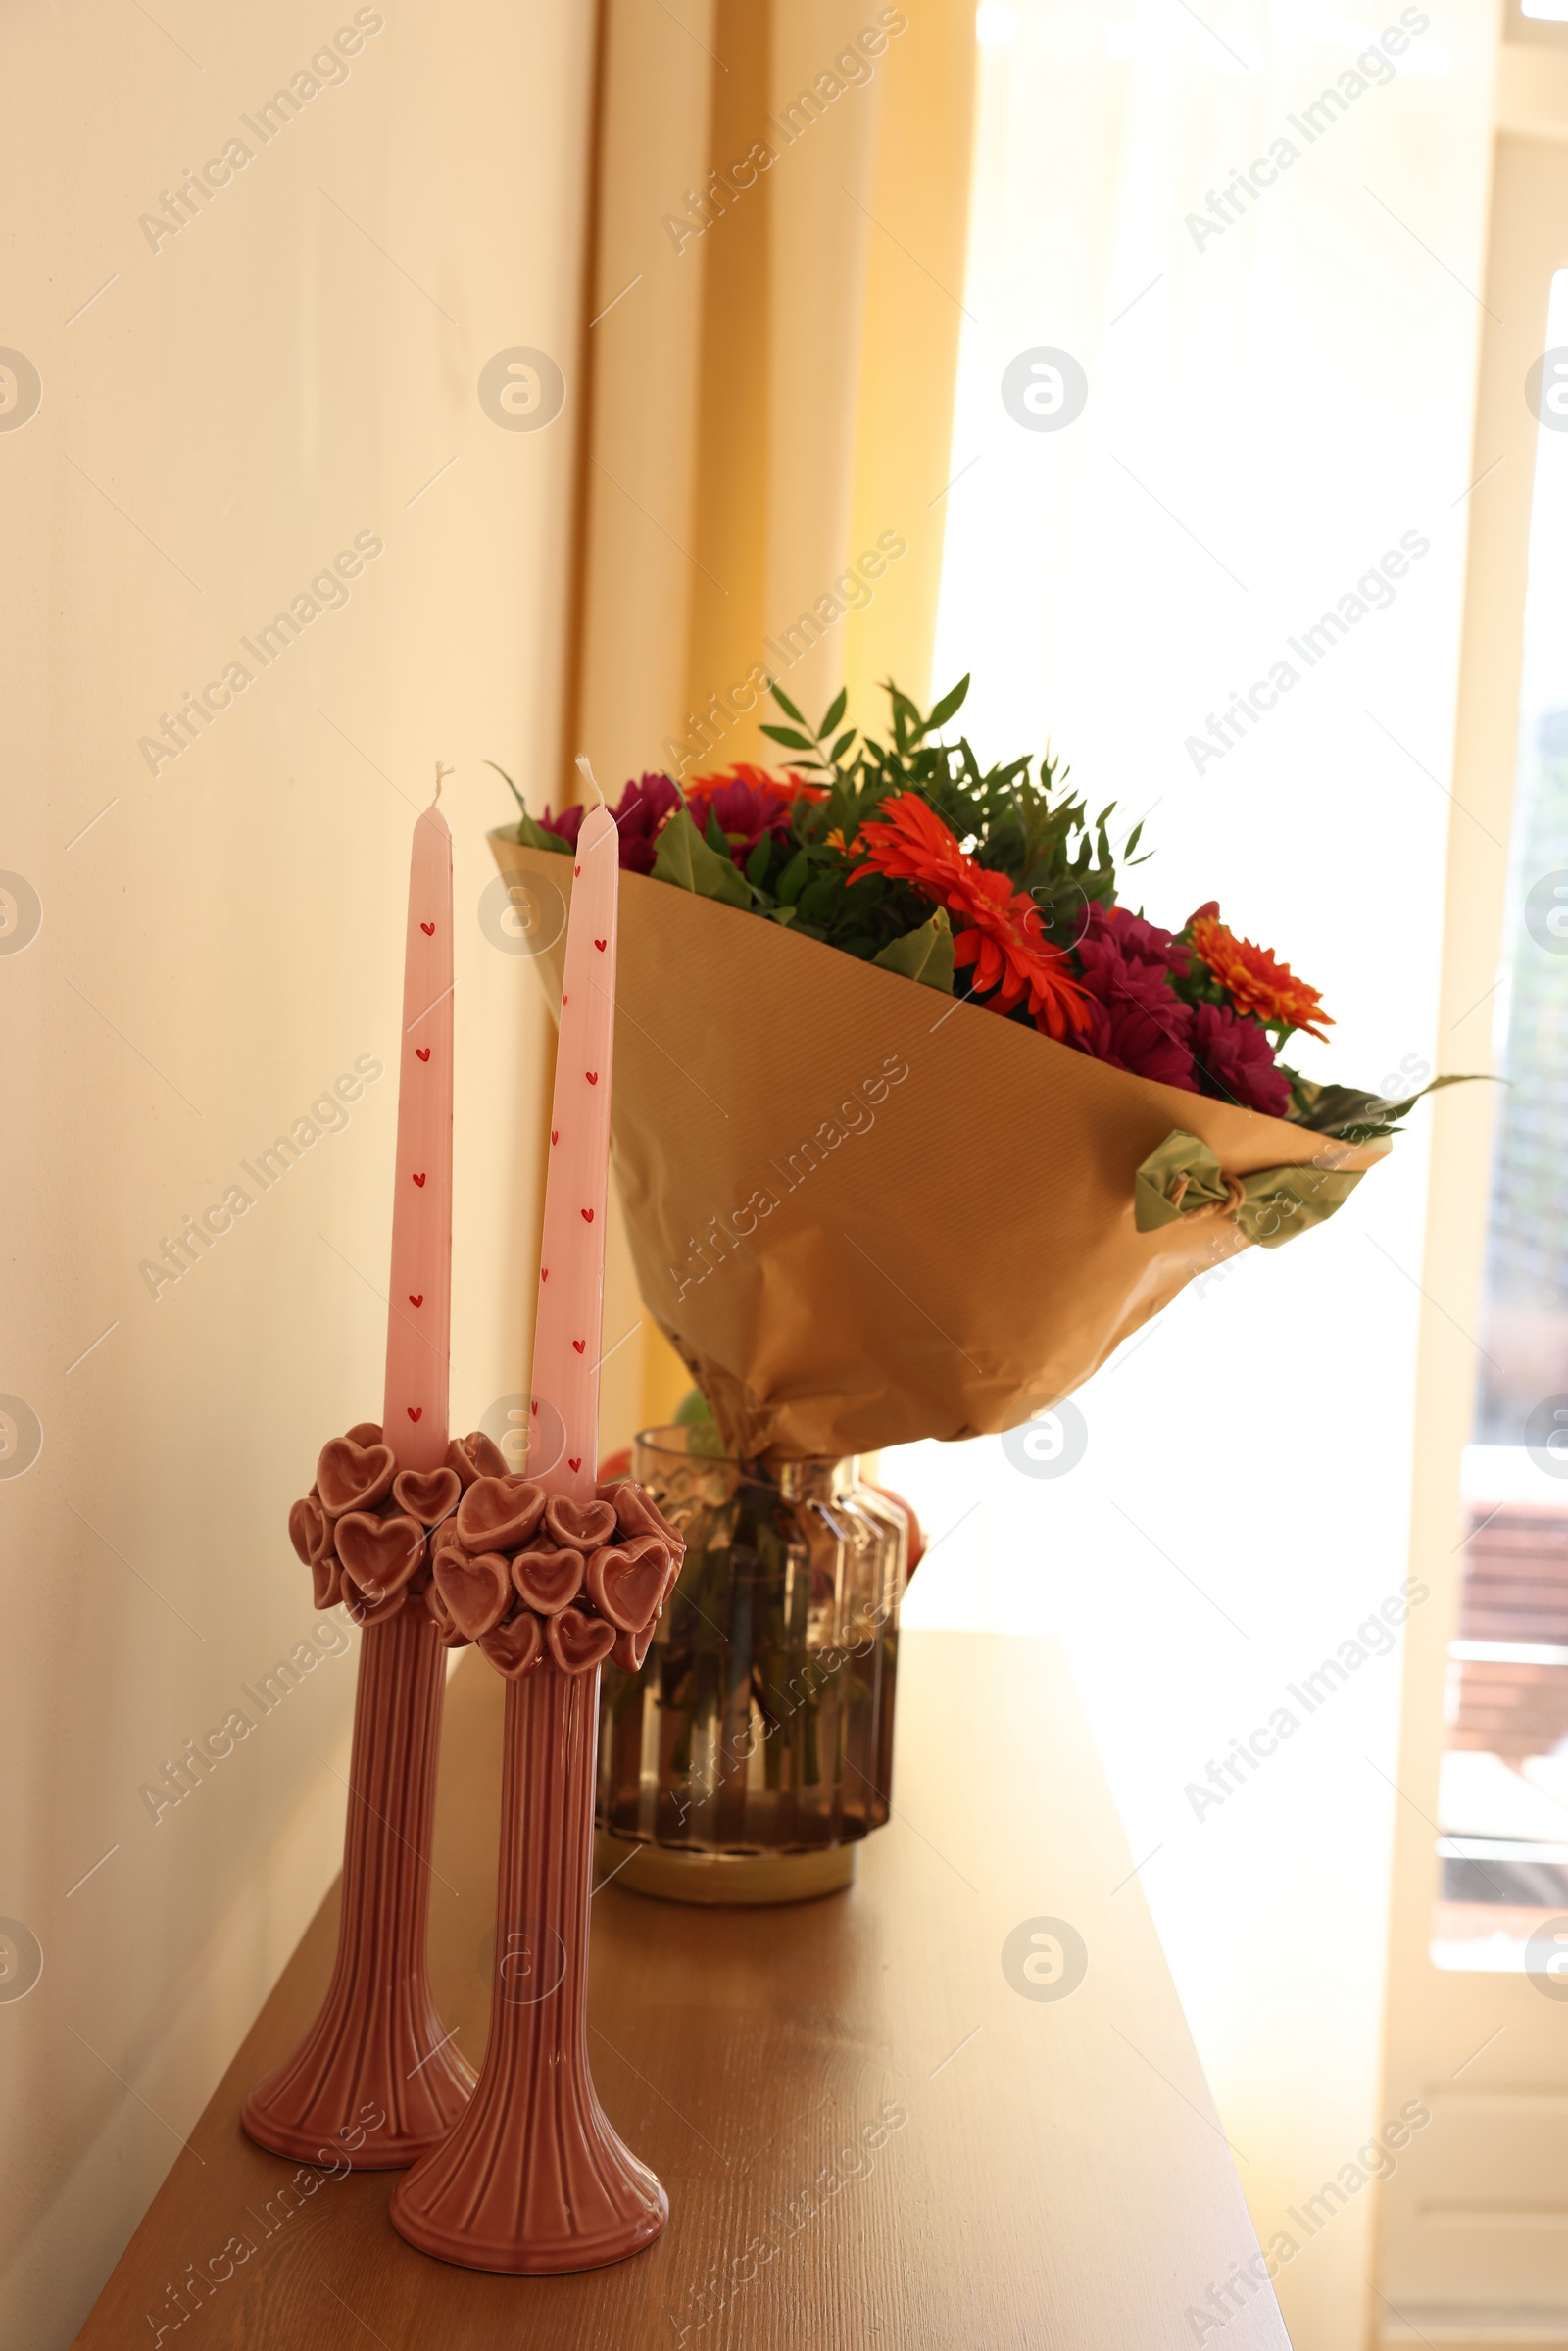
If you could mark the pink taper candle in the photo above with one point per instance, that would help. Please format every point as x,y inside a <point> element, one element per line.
<point>420,1298</point>
<point>564,1405</point>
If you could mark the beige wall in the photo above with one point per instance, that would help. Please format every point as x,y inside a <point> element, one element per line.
<point>290,370</point>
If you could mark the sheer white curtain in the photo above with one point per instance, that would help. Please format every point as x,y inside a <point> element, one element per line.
<point>1280,372</point>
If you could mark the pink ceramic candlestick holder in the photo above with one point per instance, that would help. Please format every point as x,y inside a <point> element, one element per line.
<point>378,2045</point>
<point>533,2179</point>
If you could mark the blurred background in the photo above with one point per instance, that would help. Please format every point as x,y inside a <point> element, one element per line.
<point>1135,336</point>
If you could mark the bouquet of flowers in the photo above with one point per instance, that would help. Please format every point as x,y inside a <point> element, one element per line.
<point>867,1216</point>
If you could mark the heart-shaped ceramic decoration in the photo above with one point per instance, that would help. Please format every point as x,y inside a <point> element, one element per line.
<point>514,1649</point>
<point>362,1611</point>
<point>353,1477</point>
<point>477,1592</point>
<point>631,1648</point>
<point>327,1584</point>
<point>380,1555</point>
<point>548,1579</point>
<point>367,1431</point>
<point>578,1642</point>
<point>639,1514</point>
<point>446,1630</point>
<point>498,1513</point>
<point>307,1526</point>
<point>476,1455</point>
<point>428,1495</point>
<point>325,1547</point>
<point>626,1582</point>
<point>579,1526</point>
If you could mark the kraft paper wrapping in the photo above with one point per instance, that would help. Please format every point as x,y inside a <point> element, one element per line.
<point>865,1213</point>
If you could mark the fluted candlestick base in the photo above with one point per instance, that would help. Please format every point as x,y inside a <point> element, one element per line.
<point>377,2080</point>
<point>533,2179</point>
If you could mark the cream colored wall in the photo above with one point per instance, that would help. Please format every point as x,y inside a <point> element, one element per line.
<point>221,939</point>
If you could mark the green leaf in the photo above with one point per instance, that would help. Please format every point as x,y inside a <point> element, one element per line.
<point>757,864</point>
<point>783,914</point>
<point>523,805</point>
<point>713,834</point>
<point>835,711</point>
<point>823,898</point>
<point>1355,1116</point>
<point>794,878</point>
<point>842,745</point>
<point>925,955</point>
<point>907,726</point>
<point>787,734</point>
<point>539,836</point>
<point>530,834</point>
<point>948,704</point>
<point>785,703</point>
<point>684,858</point>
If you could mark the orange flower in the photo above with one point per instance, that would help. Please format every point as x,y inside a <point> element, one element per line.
<point>1000,933</point>
<point>1254,978</point>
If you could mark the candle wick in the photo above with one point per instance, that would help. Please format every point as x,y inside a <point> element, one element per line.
<point>440,771</point>
<point>589,777</point>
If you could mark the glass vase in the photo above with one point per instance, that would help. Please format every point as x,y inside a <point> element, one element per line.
<point>753,1751</point>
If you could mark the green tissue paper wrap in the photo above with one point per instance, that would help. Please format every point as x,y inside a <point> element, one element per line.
<point>1183,1178</point>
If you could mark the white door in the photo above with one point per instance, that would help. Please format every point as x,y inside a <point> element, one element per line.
<point>1475,2216</point>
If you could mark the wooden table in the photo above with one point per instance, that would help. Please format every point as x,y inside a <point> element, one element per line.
<point>868,2131</point>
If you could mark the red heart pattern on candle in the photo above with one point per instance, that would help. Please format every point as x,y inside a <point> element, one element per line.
<point>415,1298</point>
<point>380,1554</point>
<point>555,1134</point>
<point>428,1495</point>
<point>592,1075</point>
<point>579,1526</point>
<point>544,1275</point>
<point>476,1456</point>
<point>626,1582</point>
<point>477,1592</point>
<point>577,1641</point>
<point>587,1216</point>
<point>354,1477</point>
<point>415,1411</point>
<point>419,1180</point>
<point>579,1345</point>
<point>498,1513</point>
<point>601,943</point>
<point>422,1053</point>
<point>428,929</point>
<point>515,1648</point>
<point>547,1580</point>
<point>576,1461</point>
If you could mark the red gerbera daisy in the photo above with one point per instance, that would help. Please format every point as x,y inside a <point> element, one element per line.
<point>997,927</point>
